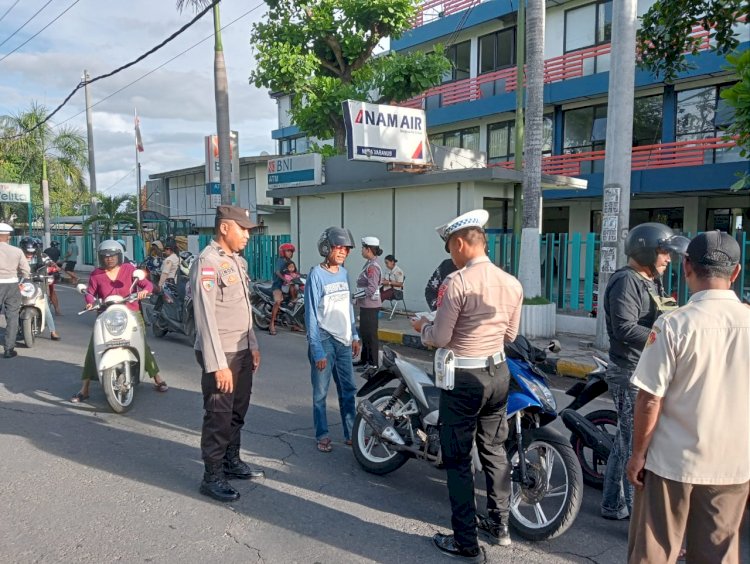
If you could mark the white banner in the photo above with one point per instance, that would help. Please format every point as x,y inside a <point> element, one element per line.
<point>388,134</point>
<point>15,193</point>
<point>296,170</point>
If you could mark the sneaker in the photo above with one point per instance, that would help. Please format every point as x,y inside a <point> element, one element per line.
<point>494,532</point>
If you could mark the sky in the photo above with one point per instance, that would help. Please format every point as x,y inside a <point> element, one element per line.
<point>175,103</point>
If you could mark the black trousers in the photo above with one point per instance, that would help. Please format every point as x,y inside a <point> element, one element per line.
<point>224,414</point>
<point>368,332</point>
<point>475,408</point>
<point>10,299</point>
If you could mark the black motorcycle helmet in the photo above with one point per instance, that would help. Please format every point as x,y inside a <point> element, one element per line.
<point>645,241</point>
<point>55,244</point>
<point>334,237</point>
<point>29,245</point>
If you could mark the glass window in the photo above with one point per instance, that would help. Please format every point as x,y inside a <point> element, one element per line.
<point>460,138</point>
<point>497,50</point>
<point>501,141</point>
<point>695,113</point>
<point>647,120</point>
<point>460,57</point>
<point>588,25</point>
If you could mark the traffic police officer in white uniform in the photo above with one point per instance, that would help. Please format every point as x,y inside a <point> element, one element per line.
<point>13,267</point>
<point>480,311</point>
<point>226,349</point>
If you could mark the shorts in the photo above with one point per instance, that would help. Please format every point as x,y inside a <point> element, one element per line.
<point>70,266</point>
<point>278,296</point>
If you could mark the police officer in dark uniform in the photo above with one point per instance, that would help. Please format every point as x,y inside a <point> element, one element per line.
<point>479,312</point>
<point>226,349</point>
<point>13,267</point>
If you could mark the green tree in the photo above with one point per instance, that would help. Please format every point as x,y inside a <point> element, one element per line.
<point>221,97</point>
<point>52,158</point>
<point>112,212</point>
<point>321,52</point>
<point>738,96</point>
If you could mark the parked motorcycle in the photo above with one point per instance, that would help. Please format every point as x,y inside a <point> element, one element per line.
<point>291,313</point>
<point>173,309</point>
<point>119,346</point>
<point>33,298</point>
<point>394,425</point>
<point>591,434</point>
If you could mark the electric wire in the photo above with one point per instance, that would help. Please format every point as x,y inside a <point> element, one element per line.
<point>81,84</point>
<point>61,14</point>
<point>8,10</point>
<point>131,171</point>
<point>26,22</point>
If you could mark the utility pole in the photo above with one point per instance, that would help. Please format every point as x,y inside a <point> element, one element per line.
<point>617,162</point>
<point>92,164</point>
<point>520,60</point>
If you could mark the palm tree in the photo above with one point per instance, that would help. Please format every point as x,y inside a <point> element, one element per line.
<point>56,158</point>
<point>529,267</point>
<point>111,212</point>
<point>221,97</point>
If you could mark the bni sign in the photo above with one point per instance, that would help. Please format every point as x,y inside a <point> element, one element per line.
<point>388,134</point>
<point>15,193</point>
<point>295,170</point>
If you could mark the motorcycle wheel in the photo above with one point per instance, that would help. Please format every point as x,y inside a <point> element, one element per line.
<point>548,508</point>
<point>119,388</point>
<point>593,465</point>
<point>373,455</point>
<point>262,322</point>
<point>156,328</point>
<point>28,332</point>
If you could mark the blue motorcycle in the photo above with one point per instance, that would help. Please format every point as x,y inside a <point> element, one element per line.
<point>394,424</point>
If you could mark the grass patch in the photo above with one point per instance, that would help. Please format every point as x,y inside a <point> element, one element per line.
<point>538,300</point>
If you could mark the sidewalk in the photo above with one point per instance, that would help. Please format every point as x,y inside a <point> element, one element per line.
<point>575,358</point>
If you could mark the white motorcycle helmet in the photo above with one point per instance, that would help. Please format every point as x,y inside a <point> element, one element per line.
<point>110,248</point>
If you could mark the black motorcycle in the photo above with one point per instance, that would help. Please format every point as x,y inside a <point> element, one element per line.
<point>291,313</point>
<point>172,309</point>
<point>591,434</point>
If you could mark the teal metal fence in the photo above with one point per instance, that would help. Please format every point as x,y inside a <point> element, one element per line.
<point>261,253</point>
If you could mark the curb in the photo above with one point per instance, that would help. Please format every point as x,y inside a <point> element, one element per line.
<point>571,368</point>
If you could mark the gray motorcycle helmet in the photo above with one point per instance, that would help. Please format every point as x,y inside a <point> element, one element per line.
<point>644,242</point>
<point>110,248</point>
<point>334,237</point>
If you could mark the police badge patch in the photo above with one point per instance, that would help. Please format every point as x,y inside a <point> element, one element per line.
<point>208,278</point>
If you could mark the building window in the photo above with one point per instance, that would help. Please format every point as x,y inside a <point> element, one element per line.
<point>702,114</point>
<point>294,146</point>
<point>588,26</point>
<point>647,120</point>
<point>461,138</point>
<point>497,50</point>
<point>460,57</point>
<point>501,140</point>
<point>585,129</point>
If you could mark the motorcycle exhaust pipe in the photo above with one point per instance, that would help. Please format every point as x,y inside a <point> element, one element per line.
<point>379,423</point>
<point>593,437</point>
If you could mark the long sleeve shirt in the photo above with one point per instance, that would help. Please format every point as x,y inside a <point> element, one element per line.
<point>479,313</point>
<point>369,281</point>
<point>101,286</point>
<point>221,304</point>
<point>328,309</point>
<point>13,264</point>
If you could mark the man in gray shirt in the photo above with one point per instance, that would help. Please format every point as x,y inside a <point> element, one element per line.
<point>13,266</point>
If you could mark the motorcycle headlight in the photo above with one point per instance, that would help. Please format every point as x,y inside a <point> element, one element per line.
<point>27,289</point>
<point>115,321</point>
<point>542,392</point>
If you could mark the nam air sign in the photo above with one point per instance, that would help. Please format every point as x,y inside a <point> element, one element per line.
<point>295,170</point>
<point>15,193</point>
<point>388,134</point>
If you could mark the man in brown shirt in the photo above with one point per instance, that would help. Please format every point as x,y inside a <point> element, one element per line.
<point>226,349</point>
<point>480,311</point>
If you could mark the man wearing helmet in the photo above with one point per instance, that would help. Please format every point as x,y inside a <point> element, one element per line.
<point>39,261</point>
<point>633,300</point>
<point>331,333</point>
<point>286,253</point>
<point>13,267</point>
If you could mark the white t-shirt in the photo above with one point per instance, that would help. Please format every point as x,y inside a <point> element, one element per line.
<point>395,275</point>
<point>697,358</point>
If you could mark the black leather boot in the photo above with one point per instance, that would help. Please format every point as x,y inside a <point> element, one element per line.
<point>494,530</point>
<point>235,468</point>
<point>447,545</point>
<point>215,485</point>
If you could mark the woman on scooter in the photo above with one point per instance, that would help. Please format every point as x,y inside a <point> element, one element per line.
<point>113,278</point>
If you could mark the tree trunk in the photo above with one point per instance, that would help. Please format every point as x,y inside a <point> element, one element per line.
<point>221,95</point>
<point>529,267</point>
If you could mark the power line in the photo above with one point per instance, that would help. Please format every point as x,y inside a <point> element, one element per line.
<point>26,22</point>
<point>165,63</point>
<point>8,10</point>
<point>117,70</point>
<point>131,171</point>
<point>38,32</point>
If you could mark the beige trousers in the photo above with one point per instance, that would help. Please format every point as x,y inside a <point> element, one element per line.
<point>707,517</point>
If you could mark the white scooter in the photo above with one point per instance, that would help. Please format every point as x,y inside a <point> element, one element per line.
<point>33,305</point>
<point>119,346</point>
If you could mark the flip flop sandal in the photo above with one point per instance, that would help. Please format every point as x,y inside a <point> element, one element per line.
<point>324,445</point>
<point>161,387</point>
<point>272,331</point>
<point>78,398</point>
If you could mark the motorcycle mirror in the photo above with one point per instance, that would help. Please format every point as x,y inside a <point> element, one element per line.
<point>139,274</point>
<point>554,346</point>
<point>81,288</point>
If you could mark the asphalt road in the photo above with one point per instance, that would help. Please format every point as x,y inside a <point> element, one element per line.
<point>81,484</point>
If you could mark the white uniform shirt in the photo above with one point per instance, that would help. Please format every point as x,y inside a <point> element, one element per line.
<point>697,358</point>
<point>395,275</point>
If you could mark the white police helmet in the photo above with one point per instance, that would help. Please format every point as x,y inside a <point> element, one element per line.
<point>475,218</point>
